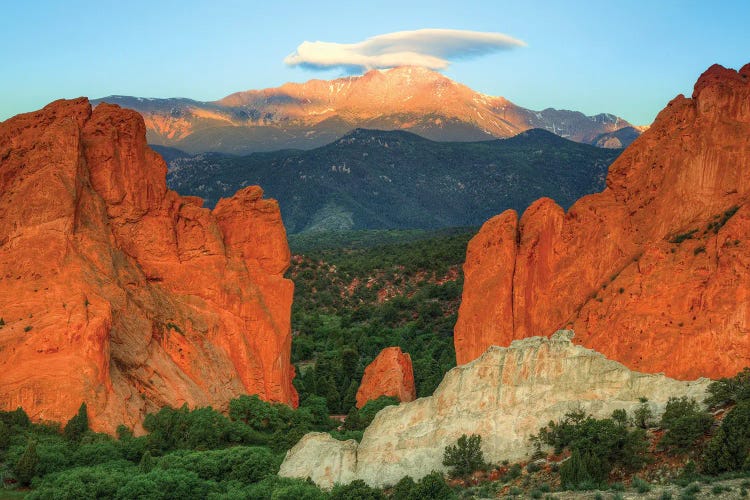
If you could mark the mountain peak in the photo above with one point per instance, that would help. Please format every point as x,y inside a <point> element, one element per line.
<point>317,112</point>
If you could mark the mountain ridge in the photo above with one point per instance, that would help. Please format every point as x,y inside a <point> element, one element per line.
<point>396,179</point>
<point>313,113</point>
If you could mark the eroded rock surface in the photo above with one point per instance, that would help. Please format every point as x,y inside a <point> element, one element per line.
<point>654,271</point>
<point>505,396</point>
<point>120,293</point>
<point>390,374</point>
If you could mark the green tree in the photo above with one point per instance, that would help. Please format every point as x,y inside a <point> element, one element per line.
<point>15,418</point>
<point>729,449</point>
<point>371,408</point>
<point>465,456</point>
<point>146,463</point>
<point>356,489</point>
<point>730,390</point>
<point>25,468</point>
<point>643,414</point>
<point>254,412</point>
<point>78,425</point>
<point>582,468</point>
<point>4,436</point>
<point>405,489</point>
<point>596,447</point>
<point>684,422</point>
<point>433,486</point>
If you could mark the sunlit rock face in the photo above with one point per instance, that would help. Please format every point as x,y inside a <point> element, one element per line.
<point>654,271</point>
<point>117,292</point>
<point>390,374</point>
<point>505,396</point>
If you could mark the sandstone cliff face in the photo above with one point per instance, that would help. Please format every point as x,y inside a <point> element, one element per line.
<point>505,396</point>
<point>120,293</point>
<point>654,271</point>
<point>390,374</point>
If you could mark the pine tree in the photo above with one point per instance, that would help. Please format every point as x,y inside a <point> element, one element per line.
<point>4,436</point>
<point>26,466</point>
<point>465,456</point>
<point>147,463</point>
<point>78,425</point>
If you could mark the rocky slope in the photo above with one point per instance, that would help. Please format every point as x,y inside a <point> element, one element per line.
<point>390,374</point>
<point>117,292</point>
<point>317,112</point>
<point>653,271</point>
<point>505,396</point>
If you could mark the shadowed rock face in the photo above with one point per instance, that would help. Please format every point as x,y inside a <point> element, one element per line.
<point>654,271</point>
<point>390,374</point>
<point>120,293</point>
<point>505,396</point>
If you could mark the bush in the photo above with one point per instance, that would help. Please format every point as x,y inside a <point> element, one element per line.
<point>730,390</point>
<point>643,414</point>
<point>356,489</point>
<point>298,491</point>
<point>96,453</point>
<point>640,485</point>
<point>596,447</point>
<point>583,470</point>
<point>432,486</point>
<point>729,450</point>
<point>173,483</point>
<point>239,463</point>
<point>465,456</point>
<point>684,422</point>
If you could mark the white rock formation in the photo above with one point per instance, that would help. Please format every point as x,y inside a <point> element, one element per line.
<point>505,396</point>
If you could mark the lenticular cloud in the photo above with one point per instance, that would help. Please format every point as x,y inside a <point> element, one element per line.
<point>430,48</point>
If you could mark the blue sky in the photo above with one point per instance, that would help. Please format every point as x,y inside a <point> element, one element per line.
<point>628,58</point>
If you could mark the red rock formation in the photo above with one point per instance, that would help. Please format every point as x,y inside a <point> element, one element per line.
<point>120,293</point>
<point>618,267</point>
<point>390,374</point>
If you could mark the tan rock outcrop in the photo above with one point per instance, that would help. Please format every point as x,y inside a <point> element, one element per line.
<point>390,374</point>
<point>120,293</point>
<point>654,271</point>
<point>505,396</point>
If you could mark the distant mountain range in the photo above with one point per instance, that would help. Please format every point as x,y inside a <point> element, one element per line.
<point>373,179</point>
<point>315,113</point>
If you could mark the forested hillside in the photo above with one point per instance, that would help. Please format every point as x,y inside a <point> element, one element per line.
<point>363,291</point>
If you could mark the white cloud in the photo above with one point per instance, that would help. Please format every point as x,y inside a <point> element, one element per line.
<point>430,48</point>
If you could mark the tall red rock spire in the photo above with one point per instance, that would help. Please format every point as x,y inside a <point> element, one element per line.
<point>118,292</point>
<point>655,270</point>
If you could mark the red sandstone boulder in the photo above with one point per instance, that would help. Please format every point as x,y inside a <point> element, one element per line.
<point>390,374</point>
<point>120,293</point>
<point>654,271</point>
